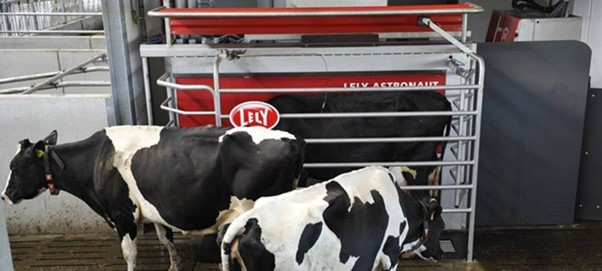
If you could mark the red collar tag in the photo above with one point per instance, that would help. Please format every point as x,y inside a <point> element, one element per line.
<point>50,182</point>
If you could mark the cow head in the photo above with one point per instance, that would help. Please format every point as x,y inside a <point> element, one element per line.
<point>424,242</point>
<point>26,175</point>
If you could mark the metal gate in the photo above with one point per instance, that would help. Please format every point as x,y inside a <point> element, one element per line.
<point>456,59</point>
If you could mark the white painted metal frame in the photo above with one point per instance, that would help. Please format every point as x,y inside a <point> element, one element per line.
<point>466,97</point>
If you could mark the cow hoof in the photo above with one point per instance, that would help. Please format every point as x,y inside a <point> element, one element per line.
<point>176,267</point>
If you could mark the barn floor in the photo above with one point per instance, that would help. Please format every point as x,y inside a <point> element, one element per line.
<point>577,247</point>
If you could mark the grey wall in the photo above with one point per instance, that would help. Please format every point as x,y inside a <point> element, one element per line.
<point>6,261</point>
<point>53,42</point>
<point>591,11</point>
<point>75,117</point>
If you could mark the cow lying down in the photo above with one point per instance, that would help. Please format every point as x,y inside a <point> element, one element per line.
<point>359,220</point>
<point>192,180</point>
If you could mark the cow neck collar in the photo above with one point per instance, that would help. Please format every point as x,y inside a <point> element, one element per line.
<point>48,177</point>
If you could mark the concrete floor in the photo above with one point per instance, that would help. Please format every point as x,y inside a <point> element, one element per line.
<point>526,249</point>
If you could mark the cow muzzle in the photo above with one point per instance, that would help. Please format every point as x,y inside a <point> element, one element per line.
<point>6,199</point>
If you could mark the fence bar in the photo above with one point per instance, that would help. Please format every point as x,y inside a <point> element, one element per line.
<point>49,74</point>
<point>438,187</point>
<point>477,126</point>
<point>387,140</point>
<point>389,164</point>
<point>50,13</point>
<point>52,32</point>
<point>63,74</point>
<point>59,85</point>
<point>159,12</point>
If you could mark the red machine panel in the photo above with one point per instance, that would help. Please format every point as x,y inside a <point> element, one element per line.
<point>203,101</point>
<point>502,27</point>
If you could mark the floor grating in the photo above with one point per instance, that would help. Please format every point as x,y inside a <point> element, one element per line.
<point>525,249</point>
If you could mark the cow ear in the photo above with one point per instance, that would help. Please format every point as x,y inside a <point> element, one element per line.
<point>25,143</point>
<point>433,210</point>
<point>51,138</point>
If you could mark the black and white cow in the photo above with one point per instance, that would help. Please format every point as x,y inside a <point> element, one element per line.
<point>368,127</point>
<point>359,220</point>
<point>193,180</point>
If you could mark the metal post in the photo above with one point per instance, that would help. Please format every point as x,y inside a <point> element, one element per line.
<point>477,127</point>
<point>217,104</point>
<point>63,9</point>
<point>147,91</point>
<point>167,23</point>
<point>32,7</point>
<point>464,27</point>
<point>124,63</point>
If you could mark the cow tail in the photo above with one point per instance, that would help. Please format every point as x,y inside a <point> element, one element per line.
<point>300,159</point>
<point>235,229</point>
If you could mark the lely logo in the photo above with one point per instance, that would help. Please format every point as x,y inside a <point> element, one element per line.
<point>254,113</point>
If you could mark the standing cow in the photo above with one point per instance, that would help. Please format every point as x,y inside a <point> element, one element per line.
<point>352,127</point>
<point>193,180</point>
<point>360,220</point>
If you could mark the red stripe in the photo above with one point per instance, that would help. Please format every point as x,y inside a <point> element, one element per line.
<point>308,24</point>
<point>418,8</point>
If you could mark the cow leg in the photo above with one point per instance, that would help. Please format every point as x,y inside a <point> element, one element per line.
<point>165,236</point>
<point>127,234</point>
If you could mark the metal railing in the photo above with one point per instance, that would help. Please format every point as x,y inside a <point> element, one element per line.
<point>54,78</point>
<point>24,17</point>
<point>466,98</point>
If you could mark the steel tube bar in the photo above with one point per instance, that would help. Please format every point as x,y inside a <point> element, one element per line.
<point>477,127</point>
<point>438,187</point>
<point>173,117</point>
<point>377,114</point>
<point>27,77</point>
<point>387,140</point>
<point>82,84</point>
<point>389,164</point>
<point>217,104</point>
<point>167,22</point>
<point>165,106</point>
<point>312,12</point>
<point>59,85</point>
<point>51,32</point>
<point>161,81</point>
<point>475,157</point>
<point>383,89</point>
<point>371,114</point>
<point>464,27</point>
<point>147,91</point>
<point>50,13</point>
<point>461,147</point>
<point>64,73</point>
<point>49,74</point>
<point>453,211</point>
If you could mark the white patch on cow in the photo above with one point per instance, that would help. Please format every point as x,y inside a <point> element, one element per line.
<point>259,133</point>
<point>237,207</point>
<point>10,173</point>
<point>4,196</point>
<point>130,251</point>
<point>364,180</point>
<point>284,217</point>
<point>397,173</point>
<point>127,140</point>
